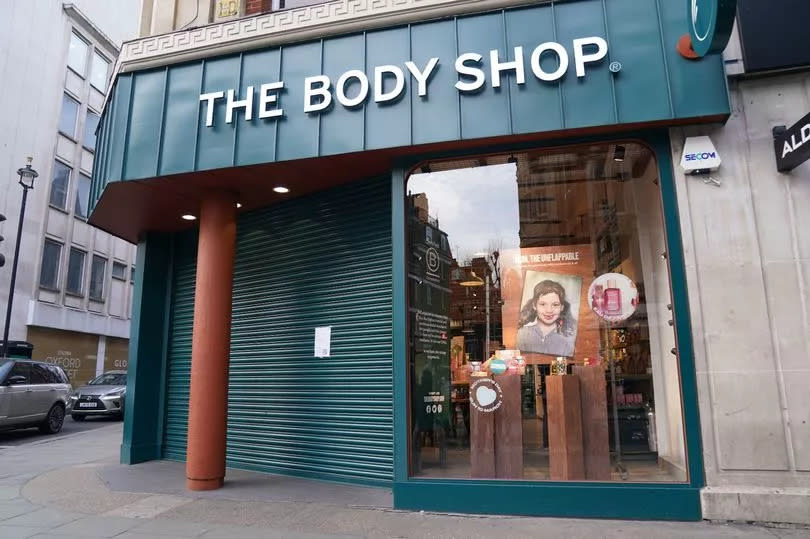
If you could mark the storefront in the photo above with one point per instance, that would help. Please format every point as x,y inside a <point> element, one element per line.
<point>442,258</point>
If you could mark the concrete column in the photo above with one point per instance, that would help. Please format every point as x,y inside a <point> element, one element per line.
<point>210,347</point>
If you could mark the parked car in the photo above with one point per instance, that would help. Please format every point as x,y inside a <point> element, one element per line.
<point>32,394</point>
<point>103,395</point>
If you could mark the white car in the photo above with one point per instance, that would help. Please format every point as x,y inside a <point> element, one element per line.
<point>32,394</point>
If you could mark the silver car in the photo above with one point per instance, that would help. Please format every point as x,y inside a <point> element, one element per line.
<point>32,394</point>
<point>103,395</point>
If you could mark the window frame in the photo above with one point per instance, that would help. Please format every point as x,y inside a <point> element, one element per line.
<point>63,207</point>
<point>123,276</point>
<point>87,45</point>
<point>87,114</point>
<point>68,290</point>
<point>55,286</point>
<point>72,135</point>
<point>96,54</point>
<point>104,260</point>
<point>76,213</point>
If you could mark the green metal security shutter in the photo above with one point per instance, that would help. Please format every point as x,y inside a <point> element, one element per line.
<point>178,370</point>
<point>323,260</point>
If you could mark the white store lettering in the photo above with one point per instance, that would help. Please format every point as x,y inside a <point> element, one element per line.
<point>388,83</point>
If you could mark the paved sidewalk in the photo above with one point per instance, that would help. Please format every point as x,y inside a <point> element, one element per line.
<point>73,487</point>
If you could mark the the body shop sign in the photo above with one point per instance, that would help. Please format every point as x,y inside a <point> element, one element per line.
<point>548,62</point>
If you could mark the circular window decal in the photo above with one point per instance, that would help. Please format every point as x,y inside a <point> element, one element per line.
<point>613,297</point>
<point>486,395</point>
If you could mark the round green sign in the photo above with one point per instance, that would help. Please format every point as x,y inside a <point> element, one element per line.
<point>710,24</point>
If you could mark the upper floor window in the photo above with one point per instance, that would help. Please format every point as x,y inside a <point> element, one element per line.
<point>59,185</point>
<point>83,197</point>
<point>90,126</point>
<point>119,271</point>
<point>77,54</point>
<point>67,119</point>
<point>49,273</point>
<point>75,276</point>
<point>98,72</point>
<point>97,271</point>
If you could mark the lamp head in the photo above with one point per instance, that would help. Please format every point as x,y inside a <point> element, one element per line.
<point>472,280</point>
<point>27,174</point>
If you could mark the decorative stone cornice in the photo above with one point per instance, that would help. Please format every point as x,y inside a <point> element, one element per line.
<point>293,25</point>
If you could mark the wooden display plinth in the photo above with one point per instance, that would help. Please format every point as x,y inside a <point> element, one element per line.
<point>564,415</point>
<point>593,399</point>
<point>509,430</point>
<point>482,444</point>
<point>496,437</point>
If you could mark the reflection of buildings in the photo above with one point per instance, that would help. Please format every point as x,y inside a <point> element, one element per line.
<point>468,307</point>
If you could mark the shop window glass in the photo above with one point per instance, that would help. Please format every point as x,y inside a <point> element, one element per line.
<point>98,72</point>
<point>49,273</point>
<point>67,119</point>
<point>97,271</point>
<point>77,54</point>
<point>75,276</point>
<point>541,329</point>
<point>60,183</point>
<point>90,125</point>
<point>82,208</point>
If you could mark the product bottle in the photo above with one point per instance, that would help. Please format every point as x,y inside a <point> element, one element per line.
<point>613,298</point>
<point>597,300</point>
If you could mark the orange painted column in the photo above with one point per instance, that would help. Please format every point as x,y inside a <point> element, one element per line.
<point>211,341</point>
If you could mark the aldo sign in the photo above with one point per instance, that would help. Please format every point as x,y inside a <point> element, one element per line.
<point>710,24</point>
<point>792,145</point>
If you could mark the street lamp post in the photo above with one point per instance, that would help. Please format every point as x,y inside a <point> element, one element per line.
<point>27,177</point>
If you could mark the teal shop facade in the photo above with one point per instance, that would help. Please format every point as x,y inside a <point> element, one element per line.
<point>333,251</point>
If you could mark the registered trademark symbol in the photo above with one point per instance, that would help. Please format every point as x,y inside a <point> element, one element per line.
<point>615,67</point>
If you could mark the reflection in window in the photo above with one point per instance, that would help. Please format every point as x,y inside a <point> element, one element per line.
<point>540,342</point>
<point>77,54</point>
<point>83,196</point>
<point>90,125</point>
<point>75,275</point>
<point>68,116</point>
<point>49,273</point>
<point>98,72</point>
<point>59,185</point>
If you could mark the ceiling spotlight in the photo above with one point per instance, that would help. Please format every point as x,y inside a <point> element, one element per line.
<point>238,205</point>
<point>189,217</point>
<point>280,189</point>
<point>618,154</point>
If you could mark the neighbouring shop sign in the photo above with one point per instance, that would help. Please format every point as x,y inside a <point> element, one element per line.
<point>388,81</point>
<point>792,145</point>
<point>710,24</point>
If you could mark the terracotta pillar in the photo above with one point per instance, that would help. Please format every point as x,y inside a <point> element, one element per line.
<point>211,340</point>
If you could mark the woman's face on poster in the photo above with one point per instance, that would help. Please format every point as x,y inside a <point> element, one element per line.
<point>548,307</point>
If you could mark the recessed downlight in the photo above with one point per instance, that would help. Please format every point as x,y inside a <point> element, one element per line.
<point>189,217</point>
<point>238,205</point>
<point>280,189</point>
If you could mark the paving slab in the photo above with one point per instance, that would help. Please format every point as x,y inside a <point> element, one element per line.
<point>174,528</point>
<point>42,518</point>
<point>19,532</point>
<point>96,526</point>
<point>15,507</point>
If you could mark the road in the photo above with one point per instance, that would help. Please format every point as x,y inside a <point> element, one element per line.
<point>70,427</point>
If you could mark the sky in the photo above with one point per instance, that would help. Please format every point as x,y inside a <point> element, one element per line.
<point>477,207</point>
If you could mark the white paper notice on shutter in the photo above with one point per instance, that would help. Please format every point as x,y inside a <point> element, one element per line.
<point>323,341</point>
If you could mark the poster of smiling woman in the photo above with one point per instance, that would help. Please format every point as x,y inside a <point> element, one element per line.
<point>545,310</point>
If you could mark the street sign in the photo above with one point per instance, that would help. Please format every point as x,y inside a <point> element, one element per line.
<point>792,145</point>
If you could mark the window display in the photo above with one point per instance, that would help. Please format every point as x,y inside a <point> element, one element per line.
<point>540,318</point>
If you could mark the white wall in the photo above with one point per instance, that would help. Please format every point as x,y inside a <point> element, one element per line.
<point>34,37</point>
<point>747,247</point>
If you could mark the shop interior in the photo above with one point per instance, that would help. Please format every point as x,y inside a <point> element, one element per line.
<point>543,275</point>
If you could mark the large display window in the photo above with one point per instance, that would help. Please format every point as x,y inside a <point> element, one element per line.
<point>542,341</point>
